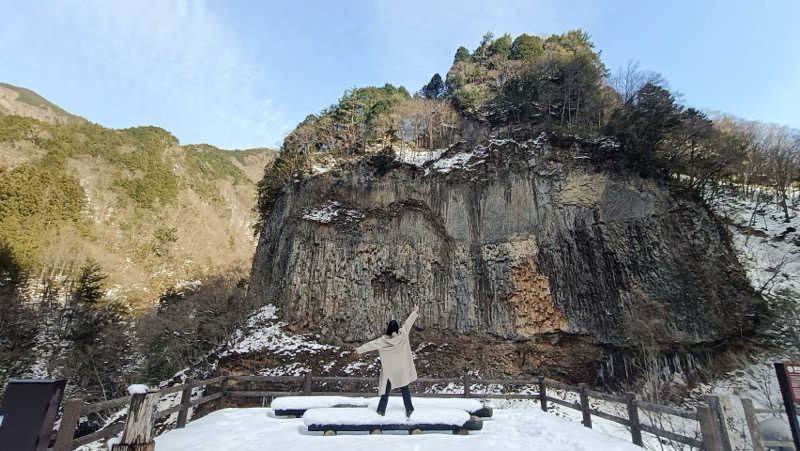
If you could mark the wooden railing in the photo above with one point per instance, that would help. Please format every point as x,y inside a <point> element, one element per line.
<point>751,415</point>
<point>709,438</point>
<point>75,408</point>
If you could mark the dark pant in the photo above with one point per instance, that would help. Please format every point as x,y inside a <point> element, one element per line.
<point>385,398</point>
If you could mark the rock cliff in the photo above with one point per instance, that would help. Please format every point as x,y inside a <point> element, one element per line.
<point>531,249</point>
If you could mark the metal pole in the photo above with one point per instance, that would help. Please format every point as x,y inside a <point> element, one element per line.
<point>788,402</point>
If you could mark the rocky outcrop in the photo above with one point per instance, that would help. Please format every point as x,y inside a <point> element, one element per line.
<point>524,244</point>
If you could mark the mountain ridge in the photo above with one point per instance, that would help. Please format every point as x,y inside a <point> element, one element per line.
<point>153,213</point>
<point>20,101</point>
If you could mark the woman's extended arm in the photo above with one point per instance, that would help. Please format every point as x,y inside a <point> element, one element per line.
<point>370,346</point>
<point>410,320</point>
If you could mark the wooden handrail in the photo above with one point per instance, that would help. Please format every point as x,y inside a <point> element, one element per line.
<point>606,396</point>
<point>275,394</point>
<point>103,405</point>
<point>422,380</point>
<point>106,432</point>
<point>306,387</point>
<point>671,436</point>
<point>772,411</point>
<point>689,415</point>
<point>268,378</point>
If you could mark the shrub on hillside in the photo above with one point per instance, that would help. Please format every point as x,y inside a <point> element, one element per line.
<point>188,325</point>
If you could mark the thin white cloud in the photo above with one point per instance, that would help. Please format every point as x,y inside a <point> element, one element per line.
<point>175,64</point>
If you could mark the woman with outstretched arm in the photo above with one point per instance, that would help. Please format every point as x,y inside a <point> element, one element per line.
<point>397,365</point>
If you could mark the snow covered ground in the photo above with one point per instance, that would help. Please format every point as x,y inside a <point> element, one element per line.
<point>771,245</point>
<point>510,429</point>
<point>769,249</point>
<point>263,332</point>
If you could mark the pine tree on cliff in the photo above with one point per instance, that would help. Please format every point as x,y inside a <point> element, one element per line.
<point>462,55</point>
<point>643,124</point>
<point>435,89</point>
<point>526,47</point>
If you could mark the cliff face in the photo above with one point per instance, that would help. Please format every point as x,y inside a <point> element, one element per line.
<point>505,243</point>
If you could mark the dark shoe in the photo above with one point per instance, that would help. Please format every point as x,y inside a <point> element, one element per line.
<point>409,412</point>
<point>380,413</point>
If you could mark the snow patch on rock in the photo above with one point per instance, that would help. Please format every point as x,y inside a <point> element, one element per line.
<point>419,157</point>
<point>317,169</point>
<point>262,333</point>
<point>462,160</point>
<point>330,212</point>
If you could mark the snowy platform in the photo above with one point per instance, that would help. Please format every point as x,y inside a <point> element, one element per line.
<point>331,419</point>
<point>471,406</point>
<point>295,406</point>
<point>255,429</point>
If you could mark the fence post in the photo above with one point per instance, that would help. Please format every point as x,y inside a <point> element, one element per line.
<point>186,399</point>
<point>633,417</point>
<point>69,421</point>
<point>587,416</point>
<point>466,385</point>
<point>717,423</point>
<point>543,393</point>
<point>307,383</point>
<point>710,429</point>
<point>138,432</point>
<point>752,424</point>
<point>223,388</point>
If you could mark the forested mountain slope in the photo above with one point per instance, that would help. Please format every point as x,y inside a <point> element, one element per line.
<point>116,246</point>
<point>149,211</point>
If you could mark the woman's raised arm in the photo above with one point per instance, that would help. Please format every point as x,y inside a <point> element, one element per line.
<point>410,320</point>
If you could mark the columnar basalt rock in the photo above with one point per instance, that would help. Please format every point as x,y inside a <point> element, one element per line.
<point>505,241</point>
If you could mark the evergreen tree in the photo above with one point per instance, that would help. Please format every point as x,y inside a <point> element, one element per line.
<point>462,54</point>
<point>83,321</point>
<point>482,51</point>
<point>501,46</point>
<point>642,125</point>
<point>435,89</point>
<point>88,315</point>
<point>11,272</point>
<point>526,47</point>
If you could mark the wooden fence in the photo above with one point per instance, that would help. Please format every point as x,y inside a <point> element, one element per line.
<point>75,408</point>
<point>751,415</point>
<point>228,391</point>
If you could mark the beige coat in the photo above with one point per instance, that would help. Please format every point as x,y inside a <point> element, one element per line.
<point>397,365</point>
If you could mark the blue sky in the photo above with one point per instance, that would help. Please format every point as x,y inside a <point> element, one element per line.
<point>242,74</point>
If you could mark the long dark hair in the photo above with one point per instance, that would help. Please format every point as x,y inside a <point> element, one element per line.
<point>392,328</point>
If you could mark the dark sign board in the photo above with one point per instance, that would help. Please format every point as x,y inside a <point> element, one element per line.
<point>789,380</point>
<point>793,379</point>
<point>28,412</point>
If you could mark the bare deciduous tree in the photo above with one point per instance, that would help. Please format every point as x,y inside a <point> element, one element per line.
<point>630,79</point>
<point>781,148</point>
